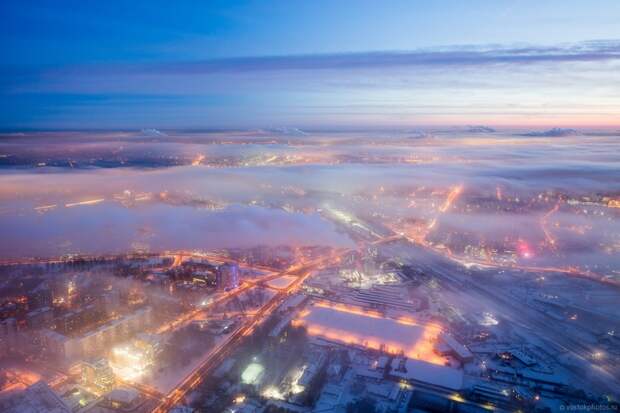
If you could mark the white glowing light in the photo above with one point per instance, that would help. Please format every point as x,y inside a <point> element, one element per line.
<point>273,393</point>
<point>252,373</point>
<point>488,319</point>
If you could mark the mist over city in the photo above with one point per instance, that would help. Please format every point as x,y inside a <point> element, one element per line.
<point>273,207</point>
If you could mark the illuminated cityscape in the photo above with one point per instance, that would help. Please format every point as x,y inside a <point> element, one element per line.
<point>438,232</point>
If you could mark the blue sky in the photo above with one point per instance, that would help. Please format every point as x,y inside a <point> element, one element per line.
<point>139,64</point>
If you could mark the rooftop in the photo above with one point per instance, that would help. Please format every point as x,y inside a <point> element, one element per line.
<point>420,371</point>
<point>38,398</point>
<point>356,326</point>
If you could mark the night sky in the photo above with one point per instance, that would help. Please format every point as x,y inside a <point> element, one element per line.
<point>319,64</point>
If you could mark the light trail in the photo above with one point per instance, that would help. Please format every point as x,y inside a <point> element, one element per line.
<point>271,159</point>
<point>198,160</point>
<point>431,225</point>
<point>178,260</point>
<point>452,197</point>
<point>45,208</point>
<point>89,202</point>
<point>544,222</point>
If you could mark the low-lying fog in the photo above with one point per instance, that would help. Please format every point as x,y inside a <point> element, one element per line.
<point>549,200</point>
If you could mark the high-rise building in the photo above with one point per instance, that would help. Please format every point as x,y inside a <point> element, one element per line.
<point>72,346</point>
<point>227,276</point>
<point>42,317</point>
<point>98,375</point>
<point>41,296</point>
<point>8,335</point>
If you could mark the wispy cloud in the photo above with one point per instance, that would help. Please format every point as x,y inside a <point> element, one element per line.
<point>552,133</point>
<point>470,85</point>
<point>458,55</point>
<point>590,51</point>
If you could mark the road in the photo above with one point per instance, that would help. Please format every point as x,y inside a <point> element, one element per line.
<point>191,315</point>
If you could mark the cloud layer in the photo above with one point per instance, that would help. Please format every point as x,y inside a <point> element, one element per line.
<point>458,85</point>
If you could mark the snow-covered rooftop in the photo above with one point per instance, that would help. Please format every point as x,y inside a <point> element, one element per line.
<point>428,373</point>
<point>355,326</point>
